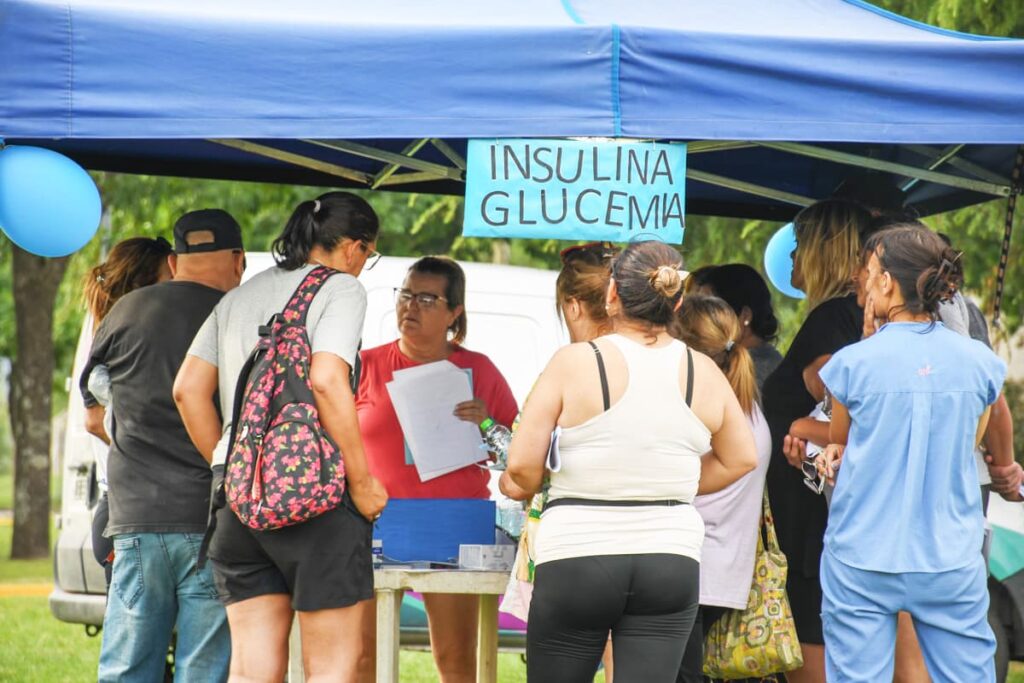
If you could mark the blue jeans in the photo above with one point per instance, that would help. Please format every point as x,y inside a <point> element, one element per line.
<point>156,587</point>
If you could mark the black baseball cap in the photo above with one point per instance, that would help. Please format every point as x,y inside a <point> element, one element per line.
<point>227,234</point>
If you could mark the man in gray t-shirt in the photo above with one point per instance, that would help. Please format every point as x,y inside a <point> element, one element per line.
<point>229,335</point>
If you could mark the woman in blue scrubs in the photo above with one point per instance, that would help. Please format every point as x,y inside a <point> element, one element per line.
<point>905,524</point>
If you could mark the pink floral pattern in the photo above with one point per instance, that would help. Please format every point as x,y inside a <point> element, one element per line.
<point>283,468</point>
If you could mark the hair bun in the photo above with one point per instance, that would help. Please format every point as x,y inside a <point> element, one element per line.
<point>667,281</point>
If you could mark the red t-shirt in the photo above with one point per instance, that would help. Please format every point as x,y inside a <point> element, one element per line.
<point>383,438</point>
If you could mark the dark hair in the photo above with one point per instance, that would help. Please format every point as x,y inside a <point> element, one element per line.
<point>926,269</point>
<point>648,281</point>
<point>742,286</point>
<point>132,263</point>
<point>324,222</point>
<point>878,193</point>
<point>454,288</point>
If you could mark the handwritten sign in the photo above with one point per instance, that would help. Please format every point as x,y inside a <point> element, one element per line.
<point>575,190</point>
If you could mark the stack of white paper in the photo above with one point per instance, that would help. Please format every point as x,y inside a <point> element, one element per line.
<point>424,398</point>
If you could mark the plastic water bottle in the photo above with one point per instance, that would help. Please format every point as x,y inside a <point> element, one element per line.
<point>510,517</point>
<point>497,437</point>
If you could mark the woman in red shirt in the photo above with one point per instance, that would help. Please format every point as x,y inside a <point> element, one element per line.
<point>430,307</point>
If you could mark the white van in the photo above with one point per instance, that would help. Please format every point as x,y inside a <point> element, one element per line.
<point>512,319</point>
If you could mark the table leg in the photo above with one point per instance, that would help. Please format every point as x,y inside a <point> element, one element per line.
<point>296,674</point>
<point>487,640</point>
<point>389,609</point>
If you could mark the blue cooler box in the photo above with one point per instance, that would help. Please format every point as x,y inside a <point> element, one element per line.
<point>432,529</point>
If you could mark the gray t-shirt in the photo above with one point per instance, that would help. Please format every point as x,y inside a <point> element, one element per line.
<point>766,358</point>
<point>334,324</point>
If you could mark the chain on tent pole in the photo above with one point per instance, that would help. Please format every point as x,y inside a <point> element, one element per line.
<point>1016,188</point>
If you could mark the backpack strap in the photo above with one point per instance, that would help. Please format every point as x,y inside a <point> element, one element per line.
<point>217,500</point>
<point>298,306</point>
<point>605,394</point>
<point>243,379</point>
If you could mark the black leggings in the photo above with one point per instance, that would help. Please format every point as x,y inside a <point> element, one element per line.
<point>648,602</point>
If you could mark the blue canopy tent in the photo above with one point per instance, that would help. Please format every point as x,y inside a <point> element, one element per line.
<point>780,101</point>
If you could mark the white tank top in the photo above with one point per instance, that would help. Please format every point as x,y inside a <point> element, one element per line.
<point>647,446</point>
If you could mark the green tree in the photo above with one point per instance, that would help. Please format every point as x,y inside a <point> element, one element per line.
<point>411,225</point>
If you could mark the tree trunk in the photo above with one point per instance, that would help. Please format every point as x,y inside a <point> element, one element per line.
<point>501,251</point>
<point>36,280</point>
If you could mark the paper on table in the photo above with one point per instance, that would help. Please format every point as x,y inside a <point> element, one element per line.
<point>424,398</point>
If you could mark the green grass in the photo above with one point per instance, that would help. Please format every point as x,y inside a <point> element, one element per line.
<point>21,571</point>
<point>37,647</point>
<point>6,491</point>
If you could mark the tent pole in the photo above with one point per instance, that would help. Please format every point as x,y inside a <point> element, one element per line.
<point>974,169</point>
<point>368,152</point>
<point>295,159</point>
<point>999,190</point>
<point>388,171</point>
<point>749,188</point>
<point>947,154</point>
<point>411,177</point>
<point>447,150</point>
<point>702,146</point>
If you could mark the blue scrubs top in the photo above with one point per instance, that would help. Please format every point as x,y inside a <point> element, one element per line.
<point>907,497</point>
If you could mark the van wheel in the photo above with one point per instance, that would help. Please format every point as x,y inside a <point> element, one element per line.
<point>1002,659</point>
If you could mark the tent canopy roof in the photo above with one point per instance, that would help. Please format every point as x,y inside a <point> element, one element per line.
<point>306,91</point>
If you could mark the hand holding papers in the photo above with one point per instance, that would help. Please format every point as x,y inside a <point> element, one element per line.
<point>424,398</point>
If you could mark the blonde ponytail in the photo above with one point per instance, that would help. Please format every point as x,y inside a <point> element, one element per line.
<point>709,325</point>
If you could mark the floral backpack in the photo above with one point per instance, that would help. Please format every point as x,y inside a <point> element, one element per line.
<point>283,467</point>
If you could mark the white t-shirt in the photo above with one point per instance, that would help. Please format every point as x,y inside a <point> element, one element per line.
<point>334,324</point>
<point>99,387</point>
<point>731,523</point>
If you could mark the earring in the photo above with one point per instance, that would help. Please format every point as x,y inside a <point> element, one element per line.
<point>746,323</point>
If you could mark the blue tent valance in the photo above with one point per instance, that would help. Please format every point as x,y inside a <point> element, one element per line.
<point>151,86</point>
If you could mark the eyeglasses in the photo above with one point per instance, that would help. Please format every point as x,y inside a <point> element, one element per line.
<point>372,256</point>
<point>593,252</point>
<point>812,479</point>
<point>404,297</point>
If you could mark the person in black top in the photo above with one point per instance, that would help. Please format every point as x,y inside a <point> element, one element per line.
<point>159,484</point>
<point>747,294</point>
<point>829,238</point>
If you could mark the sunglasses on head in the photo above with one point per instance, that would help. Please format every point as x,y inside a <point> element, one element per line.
<point>594,252</point>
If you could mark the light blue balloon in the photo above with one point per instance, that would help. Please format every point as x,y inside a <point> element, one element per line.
<point>49,206</point>
<point>778,265</point>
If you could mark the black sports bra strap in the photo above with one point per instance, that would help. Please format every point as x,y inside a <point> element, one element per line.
<point>689,378</point>
<point>605,395</point>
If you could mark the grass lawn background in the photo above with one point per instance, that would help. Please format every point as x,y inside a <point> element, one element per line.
<point>35,647</point>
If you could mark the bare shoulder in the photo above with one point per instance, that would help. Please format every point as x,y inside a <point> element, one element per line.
<point>571,356</point>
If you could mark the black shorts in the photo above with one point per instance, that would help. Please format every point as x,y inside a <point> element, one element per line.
<point>324,563</point>
<point>804,595</point>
